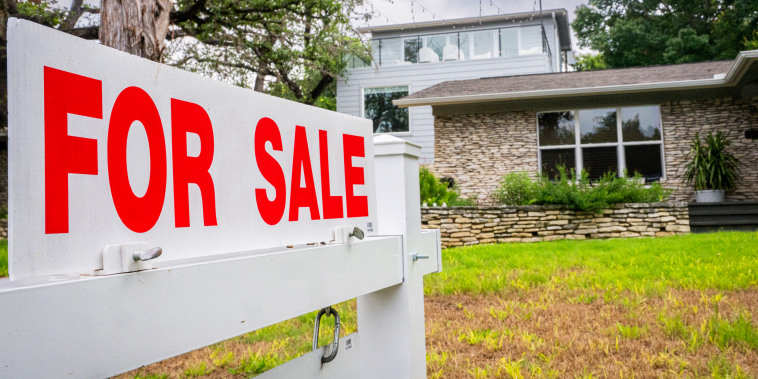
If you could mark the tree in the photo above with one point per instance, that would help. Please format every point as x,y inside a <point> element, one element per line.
<point>587,62</point>
<point>638,33</point>
<point>135,26</point>
<point>292,48</point>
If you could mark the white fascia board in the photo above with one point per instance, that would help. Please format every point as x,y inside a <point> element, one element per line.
<point>733,75</point>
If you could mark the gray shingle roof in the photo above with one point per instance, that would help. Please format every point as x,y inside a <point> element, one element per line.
<point>580,79</point>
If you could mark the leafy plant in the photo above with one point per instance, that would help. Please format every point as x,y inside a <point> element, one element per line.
<point>578,193</point>
<point>433,191</point>
<point>711,166</point>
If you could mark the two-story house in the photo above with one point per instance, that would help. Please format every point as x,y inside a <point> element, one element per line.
<point>408,58</point>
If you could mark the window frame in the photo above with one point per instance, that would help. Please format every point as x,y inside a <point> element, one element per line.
<point>619,144</point>
<point>363,109</point>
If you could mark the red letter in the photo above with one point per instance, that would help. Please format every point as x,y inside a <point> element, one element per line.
<point>302,197</point>
<point>191,118</point>
<point>138,213</point>
<point>332,204</point>
<point>271,210</point>
<point>357,206</point>
<point>67,93</point>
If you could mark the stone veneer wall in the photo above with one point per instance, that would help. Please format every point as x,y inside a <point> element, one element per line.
<point>478,149</point>
<point>531,223</point>
<point>682,119</point>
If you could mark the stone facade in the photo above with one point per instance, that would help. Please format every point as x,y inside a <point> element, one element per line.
<point>531,223</point>
<point>478,149</point>
<point>682,119</point>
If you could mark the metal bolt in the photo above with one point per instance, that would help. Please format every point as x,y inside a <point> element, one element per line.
<point>146,255</point>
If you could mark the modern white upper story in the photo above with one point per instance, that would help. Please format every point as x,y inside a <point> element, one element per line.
<point>407,58</point>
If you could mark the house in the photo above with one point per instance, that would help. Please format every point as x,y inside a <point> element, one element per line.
<point>408,58</point>
<point>640,119</point>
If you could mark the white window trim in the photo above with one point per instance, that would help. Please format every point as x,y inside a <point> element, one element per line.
<point>620,154</point>
<point>363,110</point>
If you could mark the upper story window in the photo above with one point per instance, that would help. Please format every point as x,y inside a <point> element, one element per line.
<point>378,107</point>
<point>465,45</point>
<point>602,140</point>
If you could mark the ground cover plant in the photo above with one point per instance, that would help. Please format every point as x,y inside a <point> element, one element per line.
<point>579,193</point>
<point>681,306</point>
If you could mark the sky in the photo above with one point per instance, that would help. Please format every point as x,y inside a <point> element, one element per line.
<point>405,11</point>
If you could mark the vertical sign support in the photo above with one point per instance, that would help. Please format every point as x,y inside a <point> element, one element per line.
<point>391,321</point>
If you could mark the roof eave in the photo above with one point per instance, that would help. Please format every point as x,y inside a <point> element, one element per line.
<point>733,75</point>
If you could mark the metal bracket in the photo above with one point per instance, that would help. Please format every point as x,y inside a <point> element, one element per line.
<point>336,343</point>
<point>128,257</point>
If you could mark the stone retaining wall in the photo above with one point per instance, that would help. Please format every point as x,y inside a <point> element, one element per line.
<point>531,223</point>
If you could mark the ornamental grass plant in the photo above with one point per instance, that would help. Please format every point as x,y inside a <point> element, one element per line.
<point>711,166</point>
<point>578,193</point>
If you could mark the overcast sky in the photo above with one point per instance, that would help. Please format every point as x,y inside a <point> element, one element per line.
<point>399,11</point>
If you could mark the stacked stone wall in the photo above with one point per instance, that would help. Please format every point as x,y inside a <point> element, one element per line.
<point>461,226</point>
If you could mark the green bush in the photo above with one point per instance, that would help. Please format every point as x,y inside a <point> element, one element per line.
<point>577,193</point>
<point>435,192</point>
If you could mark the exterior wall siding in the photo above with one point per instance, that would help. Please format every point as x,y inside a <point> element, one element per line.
<point>421,76</point>
<point>683,119</point>
<point>478,149</point>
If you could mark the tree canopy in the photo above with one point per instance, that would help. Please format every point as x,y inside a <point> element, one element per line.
<point>630,33</point>
<point>290,48</point>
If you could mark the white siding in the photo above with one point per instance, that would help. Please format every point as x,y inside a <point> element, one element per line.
<point>421,76</point>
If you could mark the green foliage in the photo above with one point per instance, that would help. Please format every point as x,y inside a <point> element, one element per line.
<point>721,261</point>
<point>517,188</point>
<point>200,369</point>
<point>580,193</point>
<point>587,62</point>
<point>292,49</point>
<point>738,332</point>
<point>631,331</point>
<point>752,43</point>
<point>630,33</point>
<point>710,165</point>
<point>256,363</point>
<point>433,191</point>
<point>3,258</point>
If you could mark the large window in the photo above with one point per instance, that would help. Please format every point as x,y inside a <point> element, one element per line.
<point>377,106</point>
<point>602,140</point>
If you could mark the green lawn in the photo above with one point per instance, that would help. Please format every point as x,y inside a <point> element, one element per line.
<point>722,261</point>
<point>680,306</point>
<point>3,258</point>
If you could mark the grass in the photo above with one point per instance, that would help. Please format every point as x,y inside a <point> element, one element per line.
<point>722,261</point>
<point>3,257</point>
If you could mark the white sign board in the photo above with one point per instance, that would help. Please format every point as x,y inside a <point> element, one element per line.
<point>108,148</point>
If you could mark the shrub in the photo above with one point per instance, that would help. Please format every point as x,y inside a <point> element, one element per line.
<point>711,166</point>
<point>578,193</point>
<point>435,192</point>
<point>517,188</point>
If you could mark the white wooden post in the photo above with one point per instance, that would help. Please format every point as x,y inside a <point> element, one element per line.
<point>393,342</point>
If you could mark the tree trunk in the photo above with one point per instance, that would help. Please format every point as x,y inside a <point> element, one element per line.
<point>135,26</point>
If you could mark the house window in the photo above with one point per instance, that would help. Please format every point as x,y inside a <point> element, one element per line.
<point>377,106</point>
<point>602,140</point>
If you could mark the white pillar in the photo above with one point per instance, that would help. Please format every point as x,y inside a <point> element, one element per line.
<point>391,321</point>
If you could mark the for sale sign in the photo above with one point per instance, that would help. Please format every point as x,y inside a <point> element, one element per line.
<point>108,148</point>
